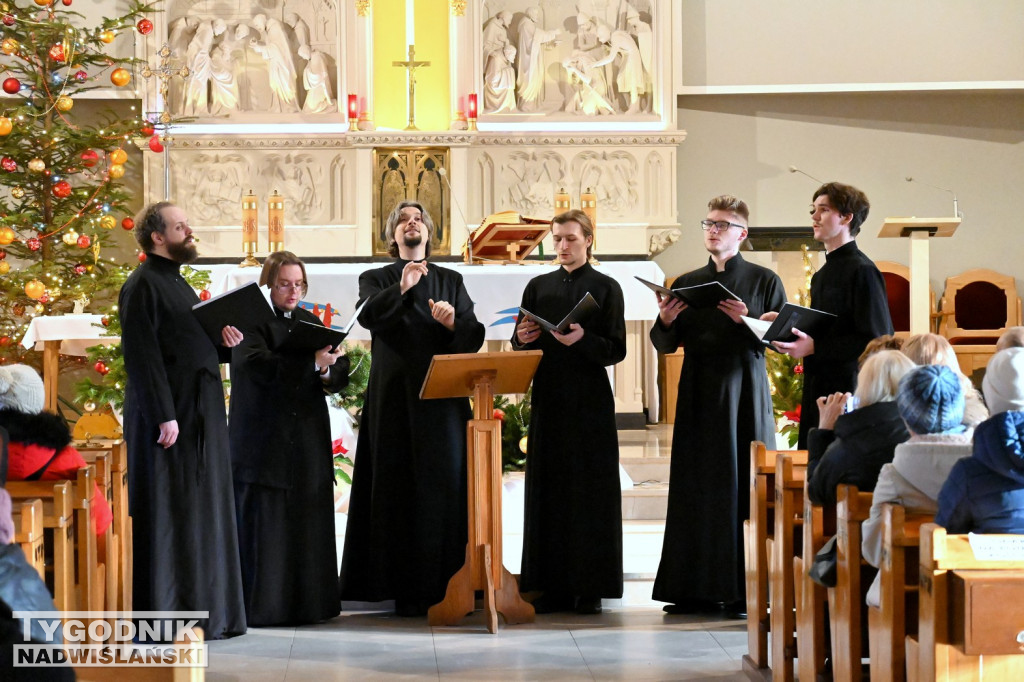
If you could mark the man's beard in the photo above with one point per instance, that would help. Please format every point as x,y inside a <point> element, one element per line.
<point>182,252</point>
<point>413,240</point>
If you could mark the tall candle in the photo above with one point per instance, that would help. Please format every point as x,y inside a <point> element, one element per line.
<point>472,105</point>
<point>250,220</point>
<point>275,215</point>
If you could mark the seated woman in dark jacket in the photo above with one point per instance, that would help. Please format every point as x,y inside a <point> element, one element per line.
<point>852,448</point>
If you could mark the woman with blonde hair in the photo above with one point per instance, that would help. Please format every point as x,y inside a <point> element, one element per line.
<point>932,349</point>
<point>852,448</point>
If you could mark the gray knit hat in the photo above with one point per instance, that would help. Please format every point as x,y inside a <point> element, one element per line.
<point>930,399</point>
<point>1003,385</point>
<point>21,389</point>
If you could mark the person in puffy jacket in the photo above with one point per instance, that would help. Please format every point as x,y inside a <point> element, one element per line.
<point>985,492</point>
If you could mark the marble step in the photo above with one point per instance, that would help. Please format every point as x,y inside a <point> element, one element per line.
<point>645,501</point>
<point>646,469</point>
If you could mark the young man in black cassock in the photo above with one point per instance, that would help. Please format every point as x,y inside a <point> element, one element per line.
<point>572,536</point>
<point>407,516</point>
<point>281,459</point>
<point>179,467</point>
<point>849,286</point>
<point>724,402</point>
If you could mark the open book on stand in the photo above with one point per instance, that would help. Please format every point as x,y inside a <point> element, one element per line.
<point>580,312</point>
<point>243,307</point>
<point>310,336</point>
<point>706,295</point>
<point>812,322</point>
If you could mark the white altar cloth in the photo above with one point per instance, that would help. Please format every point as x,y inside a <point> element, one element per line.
<point>76,332</point>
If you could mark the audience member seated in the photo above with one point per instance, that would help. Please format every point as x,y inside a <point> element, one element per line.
<point>851,448</point>
<point>1011,338</point>
<point>931,402</point>
<point>932,349</point>
<point>883,342</point>
<point>40,447</point>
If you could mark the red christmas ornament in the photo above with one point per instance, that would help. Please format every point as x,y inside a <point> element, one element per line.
<point>142,257</point>
<point>147,129</point>
<point>498,414</point>
<point>155,144</point>
<point>798,369</point>
<point>128,224</point>
<point>9,164</point>
<point>145,26</point>
<point>33,244</point>
<point>105,320</point>
<point>57,52</point>
<point>81,76</point>
<point>45,298</point>
<point>62,189</point>
<point>3,254</point>
<point>90,158</point>
<point>9,20</point>
<point>80,269</point>
<point>205,295</point>
<point>5,340</point>
<point>12,86</point>
<point>66,3</point>
<point>84,241</point>
<point>101,367</point>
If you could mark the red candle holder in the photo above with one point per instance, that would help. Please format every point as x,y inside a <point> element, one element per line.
<point>471,114</point>
<point>353,112</point>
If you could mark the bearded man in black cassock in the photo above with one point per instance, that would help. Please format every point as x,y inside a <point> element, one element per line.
<point>724,402</point>
<point>407,516</point>
<point>281,459</point>
<point>179,468</point>
<point>572,532</point>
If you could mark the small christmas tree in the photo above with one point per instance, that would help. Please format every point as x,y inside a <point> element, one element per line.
<point>60,194</point>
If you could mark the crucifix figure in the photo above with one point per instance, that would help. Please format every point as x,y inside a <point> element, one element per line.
<point>411,65</point>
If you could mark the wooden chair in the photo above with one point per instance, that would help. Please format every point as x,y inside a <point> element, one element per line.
<point>756,531</point>
<point>819,526</point>
<point>896,614</point>
<point>977,306</point>
<point>59,531</point>
<point>846,599</point>
<point>28,532</point>
<point>784,545</point>
<point>971,614</point>
<point>897,290</point>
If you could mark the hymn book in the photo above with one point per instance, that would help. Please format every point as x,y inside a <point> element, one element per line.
<point>244,307</point>
<point>580,312</point>
<point>310,336</point>
<point>706,295</point>
<point>808,320</point>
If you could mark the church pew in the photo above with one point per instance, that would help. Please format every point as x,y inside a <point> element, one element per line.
<point>846,599</point>
<point>785,544</point>
<point>971,612</point>
<point>110,458</point>
<point>59,531</point>
<point>896,614</point>
<point>810,597</point>
<point>756,531</point>
<point>91,573</point>
<point>28,533</point>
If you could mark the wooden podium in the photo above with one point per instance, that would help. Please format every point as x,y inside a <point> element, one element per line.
<point>505,238</point>
<point>481,375</point>
<point>919,231</point>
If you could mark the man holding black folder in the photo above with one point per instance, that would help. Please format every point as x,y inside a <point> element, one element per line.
<point>572,536</point>
<point>179,468</point>
<point>850,287</point>
<point>724,402</point>
<point>281,458</point>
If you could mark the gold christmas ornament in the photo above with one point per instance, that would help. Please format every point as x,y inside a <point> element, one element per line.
<point>89,406</point>
<point>6,236</point>
<point>522,444</point>
<point>17,192</point>
<point>5,267</point>
<point>117,171</point>
<point>107,36</point>
<point>37,165</point>
<point>64,103</point>
<point>118,156</point>
<point>70,238</point>
<point>6,126</point>
<point>108,222</point>
<point>34,289</point>
<point>120,77</point>
<point>9,46</point>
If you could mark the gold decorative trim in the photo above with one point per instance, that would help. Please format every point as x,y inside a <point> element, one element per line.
<point>363,8</point>
<point>458,8</point>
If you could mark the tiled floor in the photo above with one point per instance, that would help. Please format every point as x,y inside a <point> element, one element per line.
<point>632,639</point>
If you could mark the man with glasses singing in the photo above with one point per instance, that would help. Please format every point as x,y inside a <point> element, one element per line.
<point>723,403</point>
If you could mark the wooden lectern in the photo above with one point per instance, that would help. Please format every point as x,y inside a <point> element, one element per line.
<point>505,238</point>
<point>481,375</point>
<point>919,230</point>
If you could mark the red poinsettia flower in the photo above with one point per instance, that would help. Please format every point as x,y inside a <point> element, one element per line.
<point>338,449</point>
<point>793,415</point>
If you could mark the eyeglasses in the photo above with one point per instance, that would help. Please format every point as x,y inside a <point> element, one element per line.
<point>719,225</point>
<point>296,286</point>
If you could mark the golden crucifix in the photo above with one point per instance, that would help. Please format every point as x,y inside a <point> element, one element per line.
<point>411,65</point>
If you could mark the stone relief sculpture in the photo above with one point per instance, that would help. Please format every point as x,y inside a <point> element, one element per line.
<point>530,76</point>
<point>531,180</point>
<point>589,89</point>
<point>272,45</point>
<point>500,81</point>
<point>316,79</point>
<point>224,95</point>
<point>662,240</point>
<point>630,78</point>
<point>199,65</point>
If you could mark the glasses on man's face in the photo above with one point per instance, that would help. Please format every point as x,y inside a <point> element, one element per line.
<point>290,286</point>
<point>718,225</point>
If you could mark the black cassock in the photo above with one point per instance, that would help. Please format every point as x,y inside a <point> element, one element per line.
<point>407,515</point>
<point>849,286</point>
<point>724,402</point>
<point>180,498</point>
<point>572,534</point>
<point>284,476</point>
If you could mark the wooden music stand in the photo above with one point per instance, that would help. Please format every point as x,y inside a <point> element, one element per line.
<point>505,238</point>
<point>919,231</point>
<point>481,375</point>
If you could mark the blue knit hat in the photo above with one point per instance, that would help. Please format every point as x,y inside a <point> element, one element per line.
<point>930,399</point>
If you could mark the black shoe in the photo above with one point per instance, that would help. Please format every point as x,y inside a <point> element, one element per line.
<point>737,610</point>
<point>550,602</point>
<point>685,606</point>
<point>588,606</point>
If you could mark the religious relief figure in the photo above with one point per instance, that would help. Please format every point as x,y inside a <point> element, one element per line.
<point>200,68</point>
<point>589,94</point>
<point>224,96</point>
<point>532,38</point>
<point>273,47</point>
<point>500,81</point>
<point>316,80</point>
<point>631,78</point>
<point>211,186</point>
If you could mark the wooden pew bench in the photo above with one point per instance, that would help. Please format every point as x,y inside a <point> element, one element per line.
<point>846,599</point>
<point>784,545</point>
<point>28,533</point>
<point>819,526</point>
<point>59,533</point>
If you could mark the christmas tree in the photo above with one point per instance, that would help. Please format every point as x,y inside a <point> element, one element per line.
<point>61,193</point>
